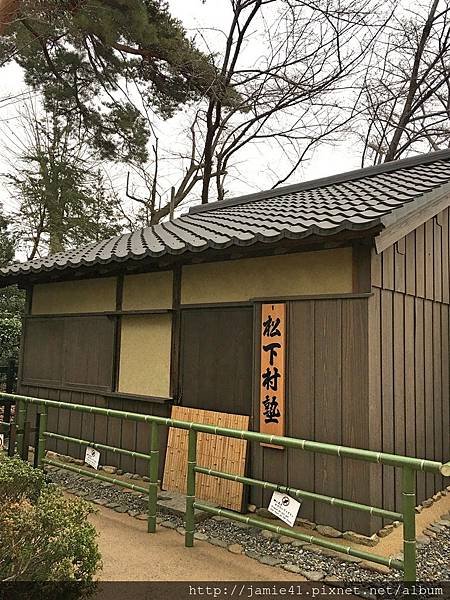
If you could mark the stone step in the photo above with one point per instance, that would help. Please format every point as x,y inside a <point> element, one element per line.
<point>175,504</point>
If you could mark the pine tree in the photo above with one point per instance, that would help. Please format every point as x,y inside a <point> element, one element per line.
<point>80,55</point>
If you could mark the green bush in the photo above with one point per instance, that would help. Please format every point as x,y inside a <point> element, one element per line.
<point>43,536</point>
<point>10,329</point>
<point>19,481</point>
<point>12,302</point>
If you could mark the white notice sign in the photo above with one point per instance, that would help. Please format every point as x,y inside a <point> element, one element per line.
<point>284,507</point>
<point>92,457</point>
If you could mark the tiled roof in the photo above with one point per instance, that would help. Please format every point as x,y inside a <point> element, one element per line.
<point>357,200</point>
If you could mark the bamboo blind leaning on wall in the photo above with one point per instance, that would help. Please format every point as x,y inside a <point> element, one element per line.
<point>213,452</point>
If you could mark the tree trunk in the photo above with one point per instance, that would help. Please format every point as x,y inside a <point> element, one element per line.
<point>208,153</point>
<point>56,230</point>
<point>56,243</point>
<point>406,114</point>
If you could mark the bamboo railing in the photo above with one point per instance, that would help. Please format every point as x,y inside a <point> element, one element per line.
<point>409,466</point>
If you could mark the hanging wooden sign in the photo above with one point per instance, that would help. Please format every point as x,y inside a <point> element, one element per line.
<point>272,376</point>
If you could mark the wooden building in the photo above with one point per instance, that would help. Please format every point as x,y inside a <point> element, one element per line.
<point>358,264</point>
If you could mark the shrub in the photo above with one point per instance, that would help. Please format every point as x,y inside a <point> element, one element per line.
<point>19,481</point>
<point>43,536</point>
<point>10,328</point>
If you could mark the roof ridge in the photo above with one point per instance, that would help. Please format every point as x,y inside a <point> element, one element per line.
<point>388,167</point>
<point>366,202</point>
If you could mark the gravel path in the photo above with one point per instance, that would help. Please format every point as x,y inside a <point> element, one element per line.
<point>296,556</point>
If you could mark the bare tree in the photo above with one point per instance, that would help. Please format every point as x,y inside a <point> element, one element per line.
<point>406,92</point>
<point>290,65</point>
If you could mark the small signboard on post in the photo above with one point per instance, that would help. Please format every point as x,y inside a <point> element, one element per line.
<point>272,376</point>
<point>284,507</point>
<point>92,457</point>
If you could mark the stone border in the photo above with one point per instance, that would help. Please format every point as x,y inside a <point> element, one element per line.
<point>266,547</point>
<point>324,530</point>
<point>388,529</point>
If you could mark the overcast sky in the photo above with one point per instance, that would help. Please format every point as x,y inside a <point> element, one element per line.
<point>255,164</point>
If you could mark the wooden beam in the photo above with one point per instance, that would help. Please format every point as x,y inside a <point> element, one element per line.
<point>95,391</point>
<point>112,313</point>
<point>361,260</point>
<point>117,334</point>
<point>176,334</point>
<point>27,311</point>
<point>343,296</point>
<point>413,214</point>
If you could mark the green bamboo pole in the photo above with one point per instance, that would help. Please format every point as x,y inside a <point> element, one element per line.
<point>97,446</point>
<point>153,474</point>
<point>118,482</point>
<point>255,522</point>
<point>409,523</point>
<point>190,489</point>
<point>21,417</point>
<point>376,512</point>
<point>41,439</point>
<point>428,466</point>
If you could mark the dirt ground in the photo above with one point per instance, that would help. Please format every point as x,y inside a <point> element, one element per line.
<point>131,554</point>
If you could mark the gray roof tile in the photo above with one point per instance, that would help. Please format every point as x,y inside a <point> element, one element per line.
<point>349,201</point>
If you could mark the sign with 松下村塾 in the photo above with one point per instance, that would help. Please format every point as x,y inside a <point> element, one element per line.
<point>272,376</point>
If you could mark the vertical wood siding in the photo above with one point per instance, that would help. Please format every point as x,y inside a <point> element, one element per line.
<point>327,391</point>
<point>101,429</point>
<point>216,359</point>
<point>409,349</point>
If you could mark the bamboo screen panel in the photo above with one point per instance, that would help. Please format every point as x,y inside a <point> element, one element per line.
<point>213,452</point>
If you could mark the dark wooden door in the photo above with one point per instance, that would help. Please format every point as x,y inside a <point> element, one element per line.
<point>216,359</point>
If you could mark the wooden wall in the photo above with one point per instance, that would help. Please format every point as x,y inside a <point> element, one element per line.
<point>69,351</point>
<point>216,359</point>
<point>327,401</point>
<point>364,371</point>
<point>98,428</point>
<point>418,264</point>
<point>409,355</point>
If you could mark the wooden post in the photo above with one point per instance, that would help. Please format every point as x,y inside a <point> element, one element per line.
<point>20,418</point>
<point>153,474</point>
<point>25,440</point>
<point>36,439</point>
<point>409,523</point>
<point>190,489</point>
<point>12,439</point>
<point>10,385</point>
<point>39,446</point>
<point>11,376</point>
